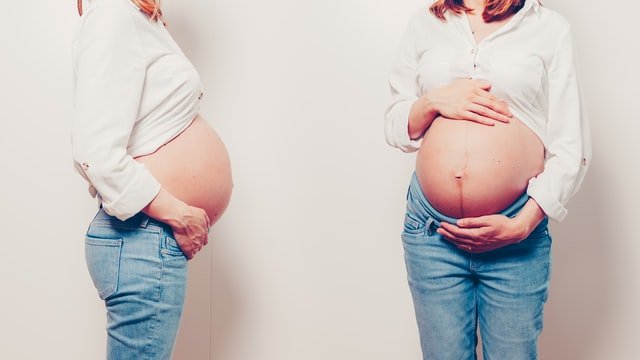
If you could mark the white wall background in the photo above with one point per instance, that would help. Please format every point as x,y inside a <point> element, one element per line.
<point>307,262</point>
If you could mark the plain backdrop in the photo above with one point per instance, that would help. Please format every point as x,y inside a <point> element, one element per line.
<point>307,262</point>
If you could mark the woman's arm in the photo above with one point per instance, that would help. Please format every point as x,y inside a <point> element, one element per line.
<point>411,112</point>
<point>190,224</point>
<point>568,142</point>
<point>403,81</point>
<point>568,158</point>
<point>110,71</point>
<point>110,68</point>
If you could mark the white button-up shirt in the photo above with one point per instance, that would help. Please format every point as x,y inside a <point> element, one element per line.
<point>530,63</point>
<point>135,90</point>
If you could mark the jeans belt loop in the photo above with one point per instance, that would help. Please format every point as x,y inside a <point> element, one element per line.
<point>145,221</point>
<point>428,226</point>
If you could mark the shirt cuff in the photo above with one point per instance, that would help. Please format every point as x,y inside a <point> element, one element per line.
<point>543,196</point>
<point>400,131</point>
<point>138,194</point>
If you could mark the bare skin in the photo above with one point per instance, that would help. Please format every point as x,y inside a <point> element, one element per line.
<point>474,168</point>
<point>195,173</point>
<point>468,169</point>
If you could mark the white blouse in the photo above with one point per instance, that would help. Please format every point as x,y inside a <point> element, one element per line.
<point>135,90</point>
<point>529,62</point>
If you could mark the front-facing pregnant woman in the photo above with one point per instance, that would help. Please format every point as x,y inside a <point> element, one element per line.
<point>160,172</point>
<point>487,91</point>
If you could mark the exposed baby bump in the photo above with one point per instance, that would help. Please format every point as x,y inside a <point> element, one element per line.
<point>467,169</point>
<point>195,168</point>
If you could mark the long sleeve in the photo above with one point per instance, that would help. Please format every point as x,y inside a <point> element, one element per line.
<point>403,80</point>
<point>109,78</point>
<point>568,135</point>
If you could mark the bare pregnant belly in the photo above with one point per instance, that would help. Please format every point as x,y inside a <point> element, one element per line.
<point>467,169</point>
<point>195,168</point>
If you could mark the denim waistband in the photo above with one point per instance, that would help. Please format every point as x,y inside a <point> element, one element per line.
<point>139,220</point>
<point>420,205</point>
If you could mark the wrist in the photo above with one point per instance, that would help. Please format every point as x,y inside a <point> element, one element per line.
<point>421,115</point>
<point>528,218</point>
<point>167,208</point>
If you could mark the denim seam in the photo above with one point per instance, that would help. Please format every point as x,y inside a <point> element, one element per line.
<point>475,327</point>
<point>164,250</point>
<point>148,228</point>
<point>154,324</point>
<point>105,294</point>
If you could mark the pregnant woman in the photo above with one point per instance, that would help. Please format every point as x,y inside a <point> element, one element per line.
<point>487,92</point>
<point>160,172</point>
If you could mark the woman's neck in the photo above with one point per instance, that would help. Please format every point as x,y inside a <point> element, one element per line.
<point>476,5</point>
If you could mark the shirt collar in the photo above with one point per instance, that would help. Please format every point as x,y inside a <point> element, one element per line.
<point>529,5</point>
<point>533,4</point>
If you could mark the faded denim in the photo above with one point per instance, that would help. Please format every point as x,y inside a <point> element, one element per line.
<point>502,291</point>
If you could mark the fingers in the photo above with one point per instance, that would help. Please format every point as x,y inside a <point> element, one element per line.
<point>494,109</point>
<point>463,244</point>
<point>483,84</point>
<point>466,244</point>
<point>475,234</point>
<point>208,222</point>
<point>456,239</point>
<point>475,222</point>
<point>480,119</point>
<point>488,113</point>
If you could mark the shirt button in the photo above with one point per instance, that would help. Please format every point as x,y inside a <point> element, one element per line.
<point>584,162</point>
<point>475,65</point>
<point>473,51</point>
<point>200,96</point>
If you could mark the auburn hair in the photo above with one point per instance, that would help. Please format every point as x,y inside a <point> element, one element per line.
<point>494,10</point>
<point>151,8</point>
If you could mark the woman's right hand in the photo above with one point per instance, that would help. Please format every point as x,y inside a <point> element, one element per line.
<point>190,224</point>
<point>191,230</point>
<point>469,99</point>
<point>462,99</point>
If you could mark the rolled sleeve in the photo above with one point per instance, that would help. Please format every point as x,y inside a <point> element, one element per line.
<point>403,81</point>
<point>568,147</point>
<point>109,78</point>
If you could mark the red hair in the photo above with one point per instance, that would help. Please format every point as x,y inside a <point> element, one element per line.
<point>494,10</point>
<point>151,8</point>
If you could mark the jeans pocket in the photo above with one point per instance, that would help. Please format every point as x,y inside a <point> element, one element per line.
<point>103,261</point>
<point>170,247</point>
<point>413,225</point>
<point>540,237</point>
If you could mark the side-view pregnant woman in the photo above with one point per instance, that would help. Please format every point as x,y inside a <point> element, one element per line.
<point>160,172</point>
<point>487,93</point>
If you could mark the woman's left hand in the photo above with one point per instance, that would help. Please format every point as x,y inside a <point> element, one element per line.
<point>490,232</point>
<point>484,233</point>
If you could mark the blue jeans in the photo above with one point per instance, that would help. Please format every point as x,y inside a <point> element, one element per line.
<point>502,291</point>
<point>140,273</point>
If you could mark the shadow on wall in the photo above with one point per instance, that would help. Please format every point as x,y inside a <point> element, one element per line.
<point>579,298</point>
<point>195,326</point>
<point>227,303</point>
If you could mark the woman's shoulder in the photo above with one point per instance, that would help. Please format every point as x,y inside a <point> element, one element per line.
<point>114,12</point>
<point>110,24</point>
<point>424,17</point>
<point>553,20</point>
